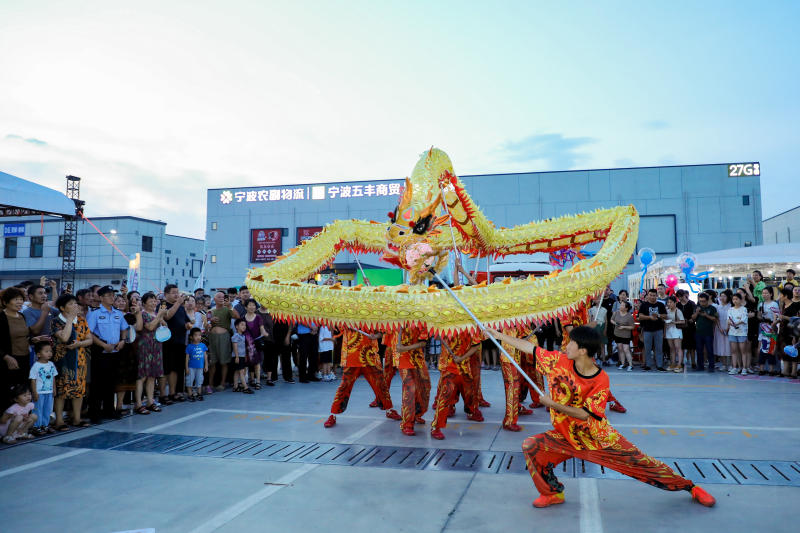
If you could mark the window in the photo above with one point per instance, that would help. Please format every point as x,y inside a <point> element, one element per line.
<point>167,251</point>
<point>186,283</point>
<point>10,249</point>
<point>214,226</point>
<point>37,246</point>
<point>746,199</point>
<point>173,271</point>
<point>176,260</point>
<point>187,262</point>
<point>183,273</point>
<point>191,254</point>
<point>748,244</point>
<point>147,243</point>
<point>213,258</point>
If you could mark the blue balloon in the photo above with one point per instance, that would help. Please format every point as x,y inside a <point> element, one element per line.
<point>647,256</point>
<point>791,351</point>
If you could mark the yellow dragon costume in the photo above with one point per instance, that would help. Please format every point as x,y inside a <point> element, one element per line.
<point>418,238</point>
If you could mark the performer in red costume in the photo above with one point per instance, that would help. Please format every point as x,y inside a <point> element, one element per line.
<point>359,358</point>
<point>410,354</point>
<point>579,392</point>
<point>511,382</point>
<point>455,377</point>
<point>389,340</point>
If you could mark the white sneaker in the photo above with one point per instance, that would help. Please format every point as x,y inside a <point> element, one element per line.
<point>744,372</point>
<point>620,367</point>
<point>318,375</point>
<point>331,377</point>
<point>630,368</point>
<point>732,371</point>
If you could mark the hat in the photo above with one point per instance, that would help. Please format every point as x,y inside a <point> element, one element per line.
<point>105,290</point>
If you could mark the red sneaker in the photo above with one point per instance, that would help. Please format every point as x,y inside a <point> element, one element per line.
<point>534,405</point>
<point>392,414</point>
<point>702,497</point>
<point>484,403</point>
<point>616,406</point>
<point>330,422</point>
<point>437,434</point>
<point>525,411</point>
<point>419,420</point>
<point>547,501</point>
<point>409,432</point>
<point>512,427</point>
<point>476,417</point>
<point>374,403</point>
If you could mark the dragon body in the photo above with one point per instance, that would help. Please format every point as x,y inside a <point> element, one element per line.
<point>436,214</point>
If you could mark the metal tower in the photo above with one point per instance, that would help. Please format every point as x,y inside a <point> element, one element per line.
<point>70,238</point>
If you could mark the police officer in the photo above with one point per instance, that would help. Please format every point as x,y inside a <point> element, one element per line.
<point>109,333</point>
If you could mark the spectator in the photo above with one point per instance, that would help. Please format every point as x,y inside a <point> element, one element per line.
<point>126,360</point>
<point>282,333</point>
<point>94,297</point>
<point>107,326</point>
<point>705,316</point>
<point>756,285</point>
<point>623,323</point>
<point>219,339</point>
<point>42,387</point>
<point>790,280</point>
<point>239,345</point>
<point>326,353</point>
<point>233,297</point>
<point>268,348</point>
<point>14,333</point>
<point>196,364</point>
<point>597,320</point>
<point>608,302</point>
<point>241,301</point>
<point>722,346</point>
<point>791,309</point>
<point>73,340</point>
<point>687,308</point>
<point>199,294</point>
<point>39,313</point>
<point>194,314</point>
<point>19,417</point>
<point>308,358</point>
<point>661,290</point>
<point>150,353</point>
<point>651,318</point>
<point>434,350</point>
<point>768,315</point>
<point>622,296</point>
<point>254,330</point>
<point>84,297</point>
<point>736,320</point>
<point>674,334</point>
<point>175,348</point>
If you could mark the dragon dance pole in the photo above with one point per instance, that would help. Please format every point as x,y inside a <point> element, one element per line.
<point>483,329</point>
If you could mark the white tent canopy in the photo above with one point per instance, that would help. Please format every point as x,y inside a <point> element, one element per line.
<point>770,259</point>
<point>19,194</point>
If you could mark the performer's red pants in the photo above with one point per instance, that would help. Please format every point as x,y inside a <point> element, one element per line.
<point>511,382</point>
<point>475,367</point>
<point>450,385</point>
<point>416,395</point>
<point>388,371</point>
<point>374,377</point>
<point>546,450</point>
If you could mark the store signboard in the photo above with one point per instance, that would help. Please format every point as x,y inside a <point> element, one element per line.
<point>310,192</point>
<point>13,230</point>
<point>303,234</point>
<point>265,244</point>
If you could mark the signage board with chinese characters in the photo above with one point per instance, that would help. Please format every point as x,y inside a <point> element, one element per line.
<point>303,234</point>
<point>13,230</point>
<point>310,192</point>
<point>265,244</point>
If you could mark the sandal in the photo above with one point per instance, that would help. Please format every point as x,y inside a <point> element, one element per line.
<point>248,390</point>
<point>257,386</point>
<point>153,407</point>
<point>8,439</point>
<point>83,424</point>
<point>62,427</point>
<point>26,436</point>
<point>141,410</point>
<point>237,389</point>
<point>50,430</point>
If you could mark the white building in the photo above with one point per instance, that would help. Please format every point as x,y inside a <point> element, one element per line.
<point>32,248</point>
<point>783,227</point>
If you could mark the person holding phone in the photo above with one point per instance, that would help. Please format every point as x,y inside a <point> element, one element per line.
<point>652,314</point>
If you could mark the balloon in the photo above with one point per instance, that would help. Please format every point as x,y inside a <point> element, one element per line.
<point>687,261</point>
<point>791,351</point>
<point>671,281</point>
<point>647,256</point>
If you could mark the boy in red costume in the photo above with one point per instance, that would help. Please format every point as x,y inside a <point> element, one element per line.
<point>455,377</point>
<point>579,392</point>
<point>359,358</point>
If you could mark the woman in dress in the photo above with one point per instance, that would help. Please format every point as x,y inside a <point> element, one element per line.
<point>255,329</point>
<point>623,323</point>
<point>737,335</point>
<point>722,347</point>
<point>672,332</point>
<point>150,355</point>
<point>72,340</point>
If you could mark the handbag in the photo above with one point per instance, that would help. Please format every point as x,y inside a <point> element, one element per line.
<point>163,334</point>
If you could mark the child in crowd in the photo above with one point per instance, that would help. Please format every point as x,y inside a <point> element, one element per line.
<point>19,418</point>
<point>196,364</point>
<point>240,358</point>
<point>43,389</point>
<point>768,315</point>
<point>326,353</point>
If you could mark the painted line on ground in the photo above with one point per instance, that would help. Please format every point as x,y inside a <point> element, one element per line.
<point>178,421</point>
<point>42,462</point>
<point>590,520</point>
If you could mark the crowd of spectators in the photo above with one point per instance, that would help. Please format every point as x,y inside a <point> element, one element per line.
<point>74,360</point>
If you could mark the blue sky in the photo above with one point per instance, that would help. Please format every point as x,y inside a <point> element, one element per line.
<point>153,103</point>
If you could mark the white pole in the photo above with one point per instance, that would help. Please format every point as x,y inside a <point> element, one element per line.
<point>483,329</point>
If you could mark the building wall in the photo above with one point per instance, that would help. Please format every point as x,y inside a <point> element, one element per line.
<point>183,261</point>
<point>784,227</point>
<point>97,261</point>
<point>697,208</point>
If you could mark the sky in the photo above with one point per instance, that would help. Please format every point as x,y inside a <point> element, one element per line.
<point>152,103</point>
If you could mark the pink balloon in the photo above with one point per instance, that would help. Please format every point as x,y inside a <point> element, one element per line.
<point>671,281</point>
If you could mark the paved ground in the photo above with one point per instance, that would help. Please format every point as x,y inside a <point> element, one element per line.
<point>695,416</point>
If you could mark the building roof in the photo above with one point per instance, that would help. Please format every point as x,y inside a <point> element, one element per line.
<point>781,213</point>
<point>17,193</point>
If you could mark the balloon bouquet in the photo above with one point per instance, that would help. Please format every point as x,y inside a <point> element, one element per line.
<point>647,257</point>
<point>687,262</point>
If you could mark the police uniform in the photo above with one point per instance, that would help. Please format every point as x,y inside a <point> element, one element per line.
<point>108,326</point>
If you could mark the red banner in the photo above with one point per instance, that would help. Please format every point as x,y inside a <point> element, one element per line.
<point>265,244</point>
<point>303,234</point>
